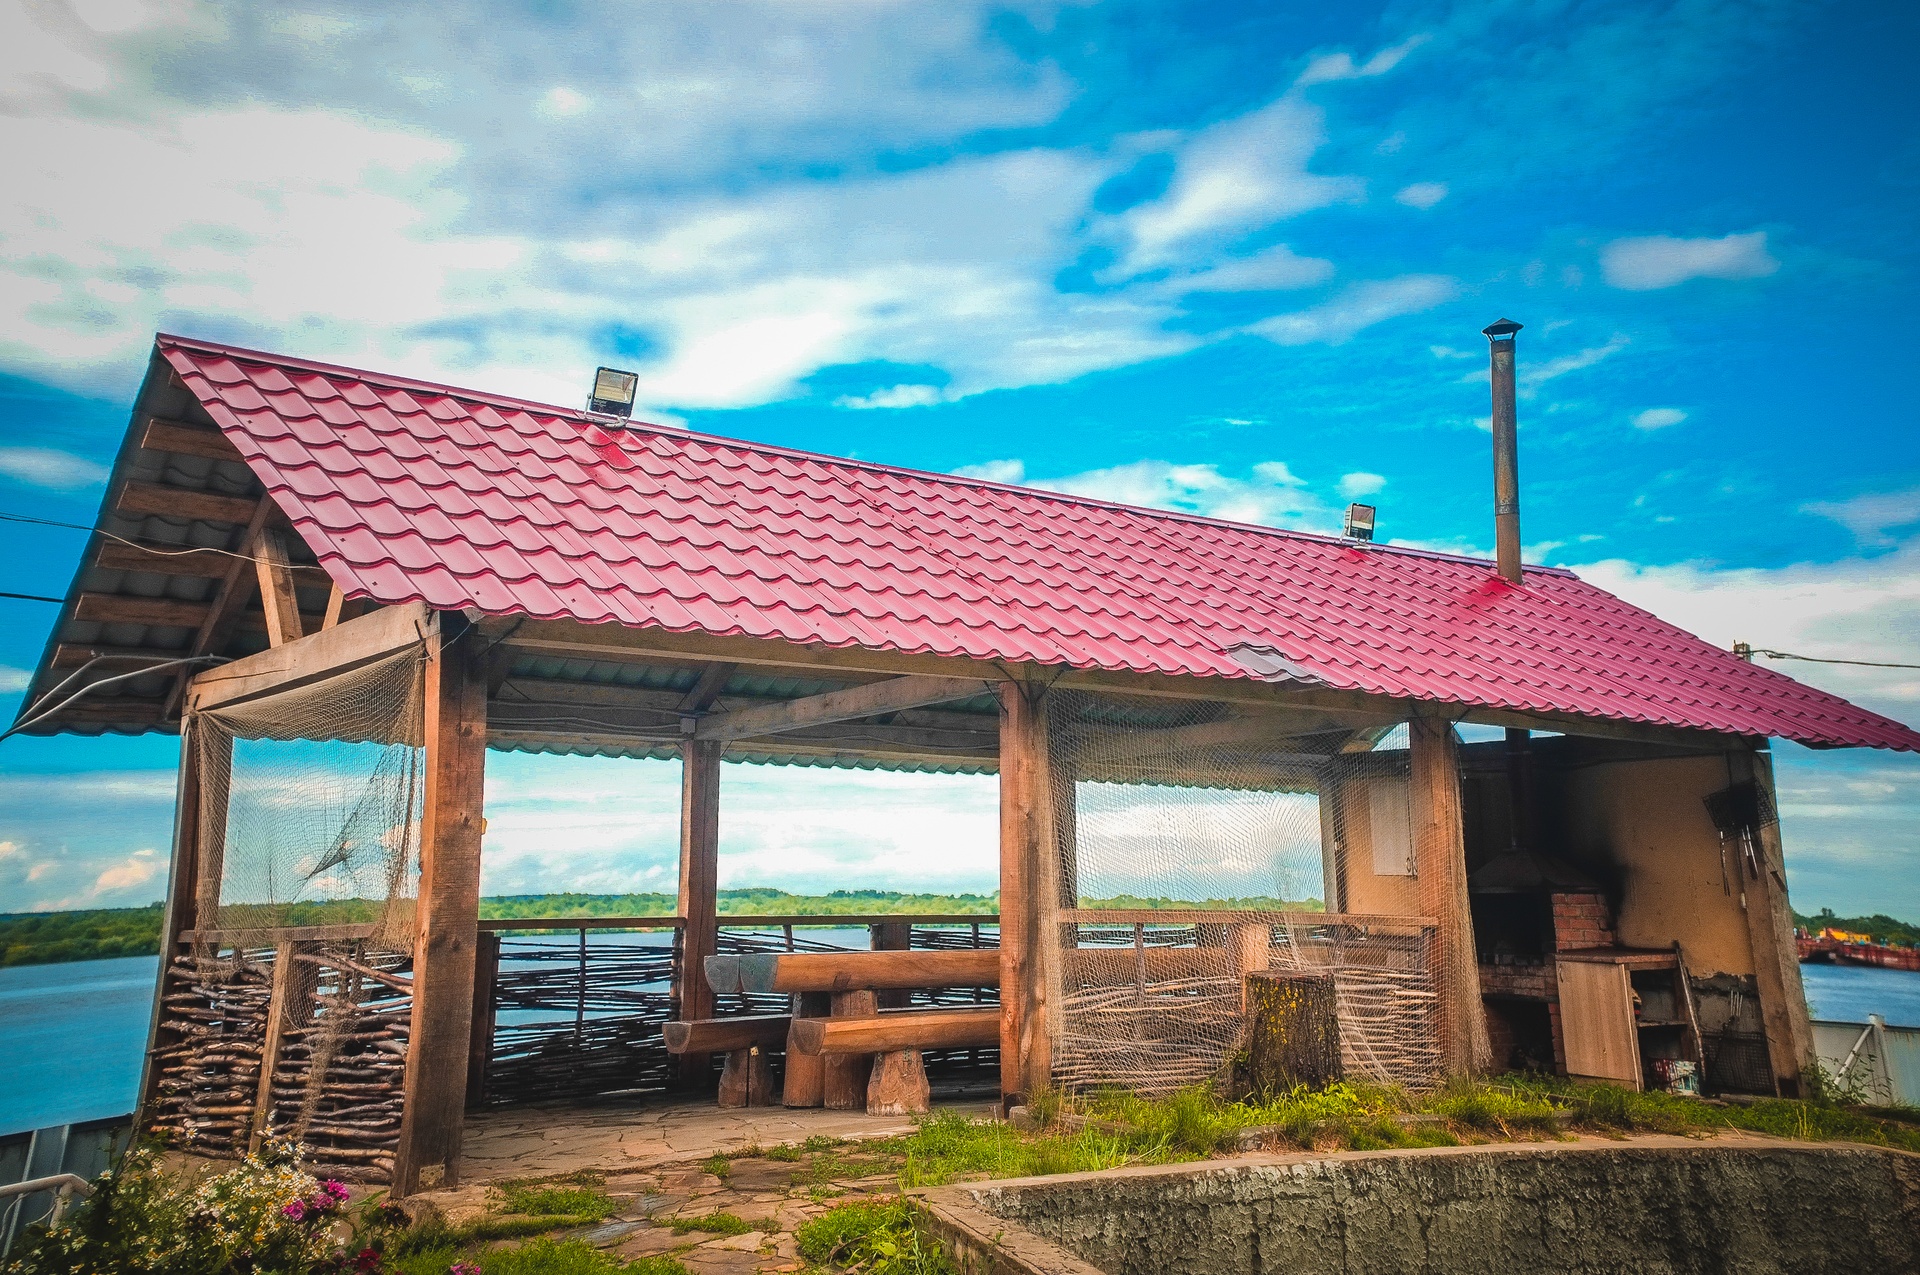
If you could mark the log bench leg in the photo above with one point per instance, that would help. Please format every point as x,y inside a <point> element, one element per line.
<point>746,1079</point>
<point>846,1074</point>
<point>899,1084</point>
<point>806,1073</point>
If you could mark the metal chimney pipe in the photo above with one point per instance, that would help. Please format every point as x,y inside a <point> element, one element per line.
<point>1506,462</point>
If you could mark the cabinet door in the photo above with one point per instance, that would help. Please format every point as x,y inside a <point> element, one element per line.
<point>1596,1019</point>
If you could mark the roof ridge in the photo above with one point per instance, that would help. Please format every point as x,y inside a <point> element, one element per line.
<point>397,381</point>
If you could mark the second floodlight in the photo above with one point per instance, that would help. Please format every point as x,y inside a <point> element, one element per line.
<point>613,392</point>
<point>1360,522</point>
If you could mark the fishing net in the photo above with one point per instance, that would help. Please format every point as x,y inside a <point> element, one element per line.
<point>291,1014</point>
<point>1198,844</point>
<point>312,801</point>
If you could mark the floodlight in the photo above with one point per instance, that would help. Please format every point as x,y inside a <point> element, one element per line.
<point>1360,522</point>
<point>613,392</point>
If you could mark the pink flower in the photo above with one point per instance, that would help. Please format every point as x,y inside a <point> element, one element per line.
<point>463,1268</point>
<point>294,1211</point>
<point>335,1189</point>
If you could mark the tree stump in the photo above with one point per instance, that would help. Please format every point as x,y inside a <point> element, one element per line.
<point>806,1073</point>
<point>1293,1031</point>
<point>899,1084</point>
<point>746,1079</point>
<point>846,1074</point>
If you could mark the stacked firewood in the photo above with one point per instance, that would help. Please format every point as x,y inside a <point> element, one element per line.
<point>213,1028</point>
<point>339,1087</point>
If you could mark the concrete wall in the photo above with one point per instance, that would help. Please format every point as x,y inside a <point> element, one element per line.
<point>1656,1205</point>
<point>1643,825</point>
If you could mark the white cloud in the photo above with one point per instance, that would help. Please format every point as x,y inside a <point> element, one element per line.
<point>1421,194</point>
<point>14,680</point>
<point>995,471</point>
<point>1531,376</point>
<point>561,102</point>
<point>1270,494</point>
<point>1659,418</point>
<point>45,467</point>
<point>1357,307</point>
<point>1341,66</point>
<point>1872,516</point>
<point>1661,261</point>
<point>1272,269</point>
<point>1360,483</point>
<point>898,396</point>
<point>135,870</point>
<point>1231,178</point>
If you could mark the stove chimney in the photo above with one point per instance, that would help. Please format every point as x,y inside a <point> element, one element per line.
<point>1506,464</point>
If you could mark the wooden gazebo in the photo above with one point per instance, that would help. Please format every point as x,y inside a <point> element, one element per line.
<point>584,584</point>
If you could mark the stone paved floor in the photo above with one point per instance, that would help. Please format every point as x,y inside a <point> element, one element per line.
<point>655,1161</point>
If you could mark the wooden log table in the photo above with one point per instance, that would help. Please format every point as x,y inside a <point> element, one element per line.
<point>835,998</point>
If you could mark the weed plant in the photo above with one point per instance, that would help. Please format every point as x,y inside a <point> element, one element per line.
<point>876,1237</point>
<point>712,1223</point>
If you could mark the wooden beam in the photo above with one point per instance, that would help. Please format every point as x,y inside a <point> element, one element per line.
<point>446,937</point>
<point>336,600</point>
<point>723,1035</point>
<point>846,705</point>
<point>1776,959</point>
<point>188,440</point>
<point>180,502</point>
<point>1358,708</point>
<point>116,608</point>
<point>1440,857</point>
<point>774,972</point>
<point>911,1029</point>
<point>310,659</point>
<point>166,560</point>
<point>699,883</point>
<point>713,679</point>
<point>182,889</point>
<point>1028,893</point>
<point>486,1013</point>
<point>229,599</point>
<point>74,654</point>
<point>276,586</point>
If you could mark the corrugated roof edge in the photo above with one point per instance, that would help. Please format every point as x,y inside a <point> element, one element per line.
<point>163,340</point>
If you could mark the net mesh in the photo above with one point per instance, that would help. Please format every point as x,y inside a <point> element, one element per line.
<point>310,804</point>
<point>1197,844</point>
<point>312,801</point>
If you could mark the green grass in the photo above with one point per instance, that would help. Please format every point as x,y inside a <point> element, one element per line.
<point>719,1166</point>
<point>575,1198</point>
<point>946,1146</point>
<point>712,1223</point>
<point>788,1152</point>
<point>875,1237</point>
<point>569,1257</point>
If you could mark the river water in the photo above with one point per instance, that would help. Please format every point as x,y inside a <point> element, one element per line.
<point>71,1035</point>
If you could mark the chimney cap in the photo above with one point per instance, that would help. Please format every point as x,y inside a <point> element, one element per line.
<point>1500,328</point>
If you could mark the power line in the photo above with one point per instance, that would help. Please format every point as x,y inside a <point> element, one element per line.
<point>183,551</point>
<point>1746,652</point>
<point>30,597</point>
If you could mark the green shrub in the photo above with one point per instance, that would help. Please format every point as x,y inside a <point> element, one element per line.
<point>877,1237</point>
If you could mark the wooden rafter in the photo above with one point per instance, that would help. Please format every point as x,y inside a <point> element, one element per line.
<point>854,702</point>
<point>228,599</point>
<point>187,440</point>
<point>713,679</point>
<point>139,498</point>
<point>277,598</point>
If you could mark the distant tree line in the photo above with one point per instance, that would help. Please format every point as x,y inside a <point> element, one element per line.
<point>1883,928</point>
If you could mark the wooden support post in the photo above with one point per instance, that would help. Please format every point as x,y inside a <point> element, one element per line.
<point>336,603</point>
<point>486,1007</point>
<point>1028,891</point>
<point>891,936</point>
<point>183,891</point>
<point>1440,858</point>
<point>1776,960</point>
<point>699,881</point>
<point>286,1008</point>
<point>806,1078</point>
<point>898,1086</point>
<point>276,586</point>
<point>845,1087</point>
<point>446,935</point>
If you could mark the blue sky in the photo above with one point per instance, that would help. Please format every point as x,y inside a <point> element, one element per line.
<point>1227,258</point>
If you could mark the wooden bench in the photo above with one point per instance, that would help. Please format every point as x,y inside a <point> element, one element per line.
<point>841,989</point>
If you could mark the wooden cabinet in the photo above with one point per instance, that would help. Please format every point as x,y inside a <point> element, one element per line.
<point>1620,1009</point>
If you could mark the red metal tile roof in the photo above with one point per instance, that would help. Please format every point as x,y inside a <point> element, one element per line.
<point>409,491</point>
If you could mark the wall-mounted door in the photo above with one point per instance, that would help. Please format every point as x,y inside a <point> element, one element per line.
<point>1596,1021</point>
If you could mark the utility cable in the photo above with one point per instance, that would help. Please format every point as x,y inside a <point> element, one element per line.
<point>30,597</point>
<point>1746,652</point>
<point>39,713</point>
<point>182,551</point>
